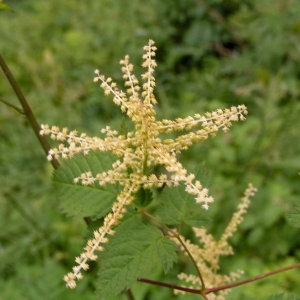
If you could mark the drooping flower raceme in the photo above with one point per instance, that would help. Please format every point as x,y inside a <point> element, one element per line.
<point>140,149</point>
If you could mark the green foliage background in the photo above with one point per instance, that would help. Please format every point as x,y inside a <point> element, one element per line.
<point>211,54</point>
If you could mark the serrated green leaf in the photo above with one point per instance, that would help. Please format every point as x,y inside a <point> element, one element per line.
<point>81,201</point>
<point>167,253</point>
<point>178,206</point>
<point>130,254</point>
<point>293,216</point>
<point>143,197</point>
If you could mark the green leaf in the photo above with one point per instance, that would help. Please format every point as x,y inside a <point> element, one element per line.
<point>82,201</point>
<point>143,197</point>
<point>293,216</point>
<point>178,206</point>
<point>130,254</point>
<point>167,253</point>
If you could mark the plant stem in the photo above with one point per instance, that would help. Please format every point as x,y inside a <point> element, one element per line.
<point>170,286</point>
<point>31,118</point>
<point>193,260</point>
<point>228,286</point>
<point>129,294</point>
<point>27,110</point>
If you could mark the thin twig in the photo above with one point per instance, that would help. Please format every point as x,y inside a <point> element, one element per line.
<point>27,111</point>
<point>228,286</point>
<point>31,118</point>
<point>129,294</point>
<point>170,286</point>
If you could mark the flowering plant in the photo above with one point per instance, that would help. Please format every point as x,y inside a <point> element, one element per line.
<point>115,181</point>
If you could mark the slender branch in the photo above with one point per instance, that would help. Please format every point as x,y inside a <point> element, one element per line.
<point>228,286</point>
<point>27,110</point>
<point>31,118</point>
<point>129,294</point>
<point>170,286</point>
<point>193,260</point>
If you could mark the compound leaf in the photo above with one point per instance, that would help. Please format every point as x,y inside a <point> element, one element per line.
<point>82,201</point>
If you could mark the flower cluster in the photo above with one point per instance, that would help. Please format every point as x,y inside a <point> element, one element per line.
<point>139,150</point>
<point>208,255</point>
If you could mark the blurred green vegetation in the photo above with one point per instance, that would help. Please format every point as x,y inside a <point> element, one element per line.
<point>211,54</point>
